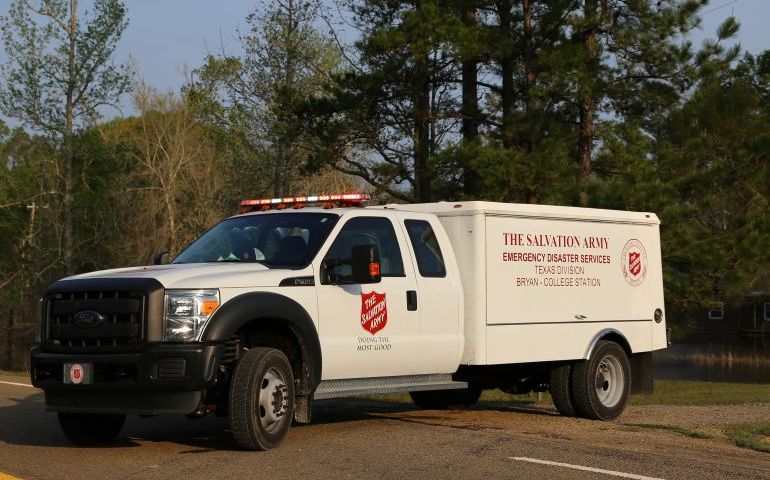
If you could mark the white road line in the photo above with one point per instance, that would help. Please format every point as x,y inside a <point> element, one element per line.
<point>17,384</point>
<point>585,469</point>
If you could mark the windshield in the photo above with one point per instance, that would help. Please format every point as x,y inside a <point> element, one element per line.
<point>274,239</point>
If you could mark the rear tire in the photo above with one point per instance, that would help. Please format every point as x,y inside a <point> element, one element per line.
<point>600,386</point>
<point>561,390</point>
<point>261,399</point>
<point>86,429</point>
<point>458,399</point>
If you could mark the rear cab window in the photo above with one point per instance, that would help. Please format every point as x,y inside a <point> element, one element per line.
<point>430,261</point>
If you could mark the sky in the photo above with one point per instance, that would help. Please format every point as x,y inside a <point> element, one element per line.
<point>166,37</point>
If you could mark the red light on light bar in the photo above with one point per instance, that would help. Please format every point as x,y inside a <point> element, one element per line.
<point>328,201</point>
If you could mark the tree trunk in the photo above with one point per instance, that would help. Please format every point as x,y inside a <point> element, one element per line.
<point>171,223</point>
<point>529,54</point>
<point>284,169</point>
<point>470,105</point>
<point>529,68</point>
<point>280,164</point>
<point>421,94</point>
<point>587,104</point>
<point>69,148</point>
<point>507,62</point>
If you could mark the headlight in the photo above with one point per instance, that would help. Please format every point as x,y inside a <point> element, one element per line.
<point>186,313</point>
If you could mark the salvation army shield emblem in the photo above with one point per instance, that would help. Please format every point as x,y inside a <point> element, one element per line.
<point>374,312</point>
<point>634,262</point>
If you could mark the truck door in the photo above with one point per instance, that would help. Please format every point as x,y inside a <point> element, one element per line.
<point>369,330</point>
<point>438,294</point>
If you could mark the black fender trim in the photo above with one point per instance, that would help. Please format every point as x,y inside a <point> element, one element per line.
<point>249,307</point>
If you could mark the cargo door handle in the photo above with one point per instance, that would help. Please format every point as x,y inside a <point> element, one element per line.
<point>411,300</point>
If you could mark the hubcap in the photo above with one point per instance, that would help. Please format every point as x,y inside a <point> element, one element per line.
<point>273,400</point>
<point>610,381</point>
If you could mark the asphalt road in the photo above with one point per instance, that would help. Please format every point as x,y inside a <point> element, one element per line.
<point>366,439</point>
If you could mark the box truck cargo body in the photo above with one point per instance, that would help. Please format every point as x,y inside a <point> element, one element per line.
<point>541,282</point>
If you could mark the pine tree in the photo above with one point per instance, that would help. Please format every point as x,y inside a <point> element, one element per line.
<point>398,107</point>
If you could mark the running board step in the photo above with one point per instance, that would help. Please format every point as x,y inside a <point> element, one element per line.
<point>365,386</point>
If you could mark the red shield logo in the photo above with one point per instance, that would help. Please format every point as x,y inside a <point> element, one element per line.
<point>374,312</point>
<point>634,263</point>
<point>76,374</point>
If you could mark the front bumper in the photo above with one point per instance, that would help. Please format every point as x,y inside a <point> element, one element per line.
<point>162,378</point>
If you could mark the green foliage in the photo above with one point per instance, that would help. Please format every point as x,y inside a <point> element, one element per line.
<point>59,72</point>
<point>253,99</point>
<point>714,154</point>
<point>57,77</point>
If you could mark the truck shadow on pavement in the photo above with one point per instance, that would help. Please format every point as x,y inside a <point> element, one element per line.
<point>24,421</point>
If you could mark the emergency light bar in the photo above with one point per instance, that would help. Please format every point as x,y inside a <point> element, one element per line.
<point>328,201</point>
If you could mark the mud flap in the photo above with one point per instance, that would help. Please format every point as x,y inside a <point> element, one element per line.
<point>302,408</point>
<point>642,373</point>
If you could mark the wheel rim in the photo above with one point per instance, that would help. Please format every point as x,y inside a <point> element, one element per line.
<point>610,381</point>
<point>273,401</point>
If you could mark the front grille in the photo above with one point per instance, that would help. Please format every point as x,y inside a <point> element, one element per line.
<point>116,318</point>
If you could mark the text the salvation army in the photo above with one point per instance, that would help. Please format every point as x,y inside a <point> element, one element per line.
<point>558,241</point>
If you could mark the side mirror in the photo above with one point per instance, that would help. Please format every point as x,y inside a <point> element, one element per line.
<point>160,258</point>
<point>327,267</point>
<point>365,264</point>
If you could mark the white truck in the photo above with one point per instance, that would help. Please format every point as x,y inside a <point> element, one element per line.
<point>272,309</point>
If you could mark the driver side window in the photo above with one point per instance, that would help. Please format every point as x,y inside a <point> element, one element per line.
<point>376,231</point>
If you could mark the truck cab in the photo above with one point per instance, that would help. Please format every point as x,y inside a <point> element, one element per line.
<point>332,292</point>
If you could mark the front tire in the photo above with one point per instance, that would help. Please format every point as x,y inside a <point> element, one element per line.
<point>261,399</point>
<point>86,429</point>
<point>457,399</point>
<point>600,385</point>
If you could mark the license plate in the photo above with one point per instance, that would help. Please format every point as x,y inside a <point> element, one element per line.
<point>78,373</point>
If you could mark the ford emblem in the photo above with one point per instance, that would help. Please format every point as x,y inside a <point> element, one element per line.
<point>87,319</point>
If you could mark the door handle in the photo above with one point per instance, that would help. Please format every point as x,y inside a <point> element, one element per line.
<point>411,300</point>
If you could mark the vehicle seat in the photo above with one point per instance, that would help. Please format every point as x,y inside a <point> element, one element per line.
<point>291,251</point>
<point>241,246</point>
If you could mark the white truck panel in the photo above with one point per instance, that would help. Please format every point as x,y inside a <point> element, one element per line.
<point>556,341</point>
<point>584,270</point>
<point>462,232</point>
<point>553,278</point>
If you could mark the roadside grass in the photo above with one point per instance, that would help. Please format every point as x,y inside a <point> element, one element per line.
<point>747,435</point>
<point>9,373</point>
<point>687,432</point>
<point>675,392</point>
